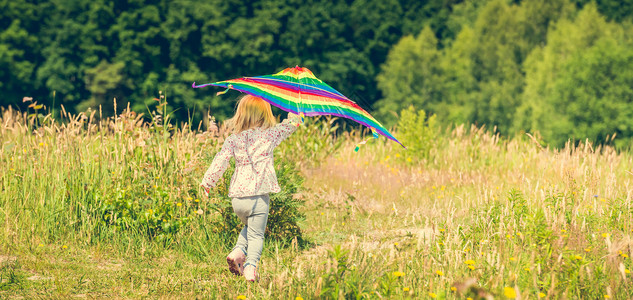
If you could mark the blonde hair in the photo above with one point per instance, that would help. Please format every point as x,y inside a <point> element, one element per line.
<point>251,112</point>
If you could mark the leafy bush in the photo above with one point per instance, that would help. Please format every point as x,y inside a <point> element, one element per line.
<point>419,133</point>
<point>284,206</point>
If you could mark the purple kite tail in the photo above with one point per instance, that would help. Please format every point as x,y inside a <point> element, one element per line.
<point>200,86</point>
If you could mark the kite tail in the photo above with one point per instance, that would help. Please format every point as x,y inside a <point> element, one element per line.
<point>374,136</point>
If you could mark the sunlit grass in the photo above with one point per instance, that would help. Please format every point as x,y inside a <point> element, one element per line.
<point>481,215</point>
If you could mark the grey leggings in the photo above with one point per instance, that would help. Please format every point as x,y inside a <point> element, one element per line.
<point>253,212</point>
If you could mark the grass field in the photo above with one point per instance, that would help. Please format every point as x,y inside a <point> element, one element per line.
<point>111,208</point>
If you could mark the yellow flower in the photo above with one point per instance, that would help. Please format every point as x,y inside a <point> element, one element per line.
<point>41,245</point>
<point>395,244</point>
<point>406,289</point>
<point>41,144</point>
<point>155,186</point>
<point>578,257</point>
<point>563,230</point>
<point>604,235</point>
<point>398,274</point>
<point>587,249</point>
<point>527,269</point>
<point>541,295</point>
<point>241,297</point>
<point>299,298</point>
<point>625,256</point>
<point>512,258</point>
<point>442,230</point>
<point>189,198</point>
<point>64,247</point>
<point>509,292</point>
<point>454,289</point>
<point>440,243</point>
<point>471,267</point>
<point>150,211</point>
<point>469,298</point>
<point>627,271</point>
<point>322,213</point>
<point>408,159</point>
<point>432,295</point>
<point>197,200</point>
<point>397,154</point>
<point>607,296</point>
<point>387,157</point>
<point>440,273</point>
<point>178,204</point>
<point>470,262</point>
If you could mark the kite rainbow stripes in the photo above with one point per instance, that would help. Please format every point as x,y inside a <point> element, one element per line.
<point>298,91</point>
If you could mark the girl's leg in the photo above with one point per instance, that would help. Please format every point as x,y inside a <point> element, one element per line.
<point>242,208</point>
<point>256,228</point>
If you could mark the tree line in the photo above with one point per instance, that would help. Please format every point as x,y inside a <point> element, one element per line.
<point>559,67</point>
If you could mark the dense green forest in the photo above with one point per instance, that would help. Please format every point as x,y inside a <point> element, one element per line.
<point>563,68</point>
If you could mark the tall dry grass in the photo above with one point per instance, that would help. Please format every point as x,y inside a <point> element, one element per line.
<point>478,216</point>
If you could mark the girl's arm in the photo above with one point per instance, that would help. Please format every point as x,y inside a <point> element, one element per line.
<point>218,166</point>
<point>284,129</point>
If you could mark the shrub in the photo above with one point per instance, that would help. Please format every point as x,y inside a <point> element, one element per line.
<point>284,206</point>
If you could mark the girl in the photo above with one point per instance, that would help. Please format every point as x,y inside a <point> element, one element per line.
<point>252,143</point>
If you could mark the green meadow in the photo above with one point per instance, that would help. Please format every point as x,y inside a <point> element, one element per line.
<point>110,208</point>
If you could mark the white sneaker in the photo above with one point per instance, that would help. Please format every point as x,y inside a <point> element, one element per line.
<point>250,273</point>
<point>236,261</point>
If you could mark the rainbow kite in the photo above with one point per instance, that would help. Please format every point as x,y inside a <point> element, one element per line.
<point>298,91</point>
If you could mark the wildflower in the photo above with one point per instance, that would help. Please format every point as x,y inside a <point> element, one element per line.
<point>513,258</point>
<point>454,289</point>
<point>625,256</point>
<point>587,249</point>
<point>469,298</point>
<point>440,243</point>
<point>395,244</point>
<point>406,289</point>
<point>397,154</point>
<point>322,213</point>
<point>197,200</point>
<point>387,157</point>
<point>471,267</point>
<point>442,230</point>
<point>509,292</point>
<point>578,257</point>
<point>432,295</point>
<point>408,159</point>
<point>155,186</point>
<point>64,247</point>
<point>440,273</point>
<point>607,296</point>
<point>299,298</point>
<point>189,198</point>
<point>527,269</point>
<point>627,271</point>
<point>508,236</point>
<point>178,204</point>
<point>398,274</point>
<point>541,295</point>
<point>40,245</point>
<point>605,235</point>
<point>241,297</point>
<point>470,262</point>
<point>150,211</point>
<point>563,230</point>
